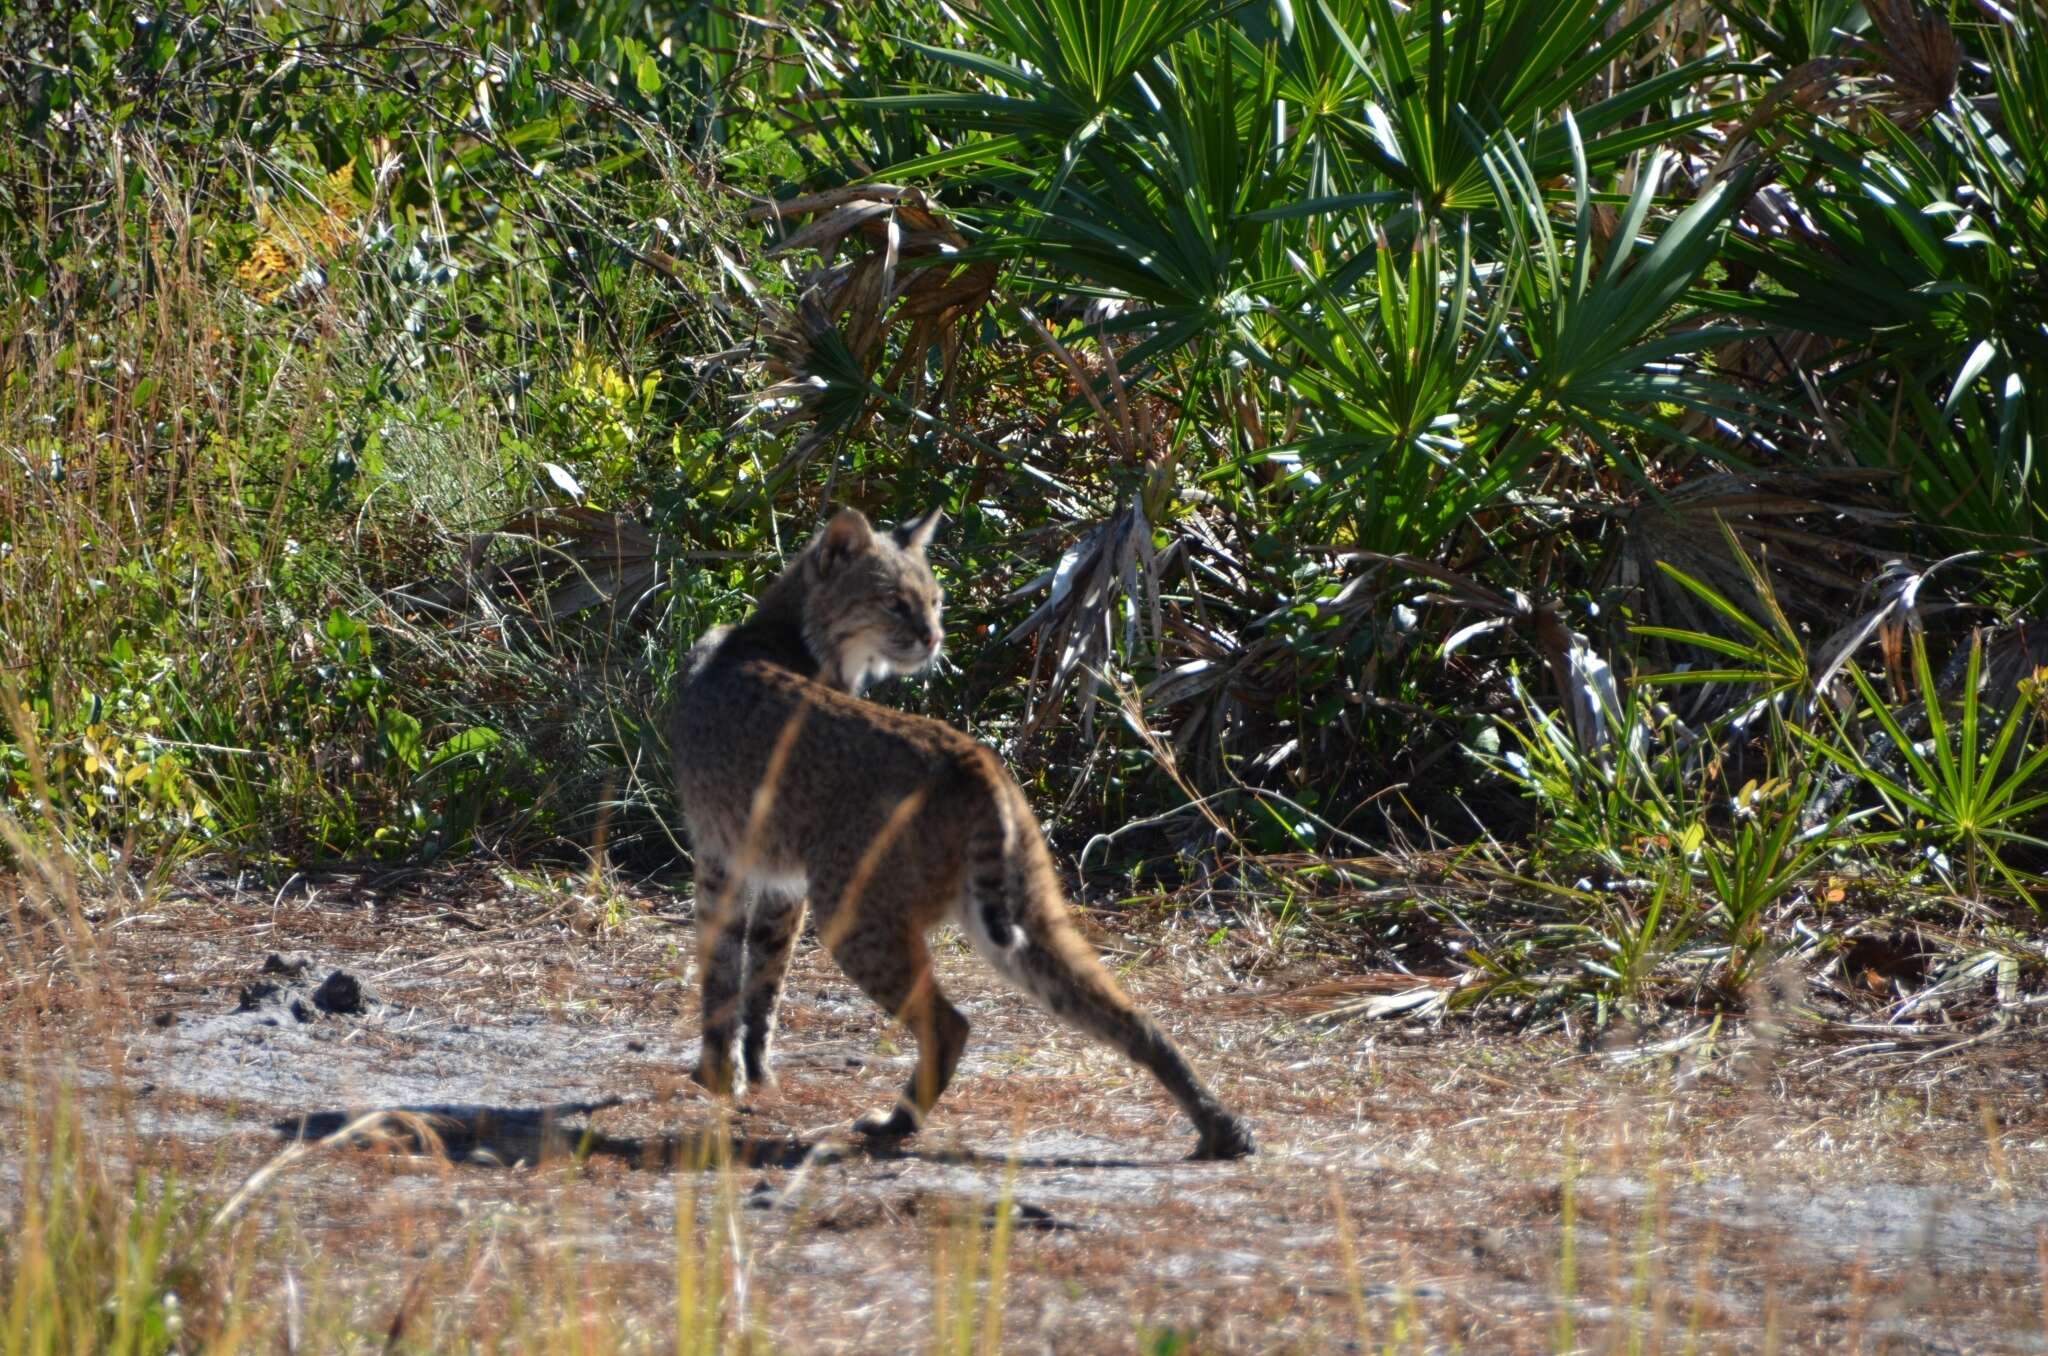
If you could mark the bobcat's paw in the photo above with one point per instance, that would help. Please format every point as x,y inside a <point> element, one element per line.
<point>757,1057</point>
<point>893,1125</point>
<point>714,1073</point>
<point>1226,1137</point>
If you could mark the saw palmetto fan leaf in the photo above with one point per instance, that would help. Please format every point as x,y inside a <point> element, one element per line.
<point>1820,533</point>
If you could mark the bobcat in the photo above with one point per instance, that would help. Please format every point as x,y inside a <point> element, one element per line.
<point>892,822</point>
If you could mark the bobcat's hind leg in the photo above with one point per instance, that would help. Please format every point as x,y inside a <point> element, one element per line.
<point>721,964</point>
<point>1060,970</point>
<point>896,971</point>
<point>776,921</point>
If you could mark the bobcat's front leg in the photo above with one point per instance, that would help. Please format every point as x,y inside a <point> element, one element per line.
<point>721,963</point>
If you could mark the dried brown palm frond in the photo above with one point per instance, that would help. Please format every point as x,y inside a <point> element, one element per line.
<point>1916,59</point>
<point>1114,573</point>
<point>550,564</point>
<point>574,559</point>
<point>1764,362</point>
<point>2013,649</point>
<point>1812,87</point>
<point>2015,661</point>
<point>1108,580</point>
<point>1895,606</point>
<point>1819,534</point>
<point>1580,676</point>
<point>886,281</point>
<point>1224,696</point>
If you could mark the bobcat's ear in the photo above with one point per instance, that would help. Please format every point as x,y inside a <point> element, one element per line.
<point>914,534</point>
<point>845,537</point>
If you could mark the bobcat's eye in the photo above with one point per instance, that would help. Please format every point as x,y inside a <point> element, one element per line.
<point>902,608</point>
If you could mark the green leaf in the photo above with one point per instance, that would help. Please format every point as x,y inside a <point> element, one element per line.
<point>475,741</point>
<point>398,734</point>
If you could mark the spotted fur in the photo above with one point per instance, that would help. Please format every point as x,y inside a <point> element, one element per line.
<point>890,822</point>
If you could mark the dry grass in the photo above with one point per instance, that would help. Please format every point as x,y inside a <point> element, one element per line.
<point>1421,1187</point>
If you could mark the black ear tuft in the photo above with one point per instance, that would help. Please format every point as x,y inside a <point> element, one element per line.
<point>846,536</point>
<point>914,534</point>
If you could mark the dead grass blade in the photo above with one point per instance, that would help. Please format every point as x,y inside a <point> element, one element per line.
<point>1379,994</point>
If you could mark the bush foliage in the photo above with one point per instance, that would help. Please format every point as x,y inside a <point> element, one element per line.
<point>1607,427</point>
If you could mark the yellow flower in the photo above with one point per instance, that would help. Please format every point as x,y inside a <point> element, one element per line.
<point>302,231</point>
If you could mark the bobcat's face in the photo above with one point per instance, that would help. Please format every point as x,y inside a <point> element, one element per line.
<point>872,611</point>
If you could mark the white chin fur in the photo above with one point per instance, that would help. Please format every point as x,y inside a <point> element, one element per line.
<point>864,666</point>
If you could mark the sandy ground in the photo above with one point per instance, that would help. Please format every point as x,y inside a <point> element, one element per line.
<point>1432,1184</point>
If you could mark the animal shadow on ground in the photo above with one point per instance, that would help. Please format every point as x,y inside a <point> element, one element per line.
<point>501,1136</point>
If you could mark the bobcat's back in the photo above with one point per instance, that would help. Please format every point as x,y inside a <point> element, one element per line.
<point>884,806</point>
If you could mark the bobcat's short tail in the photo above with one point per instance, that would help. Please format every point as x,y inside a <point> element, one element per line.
<point>993,885</point>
